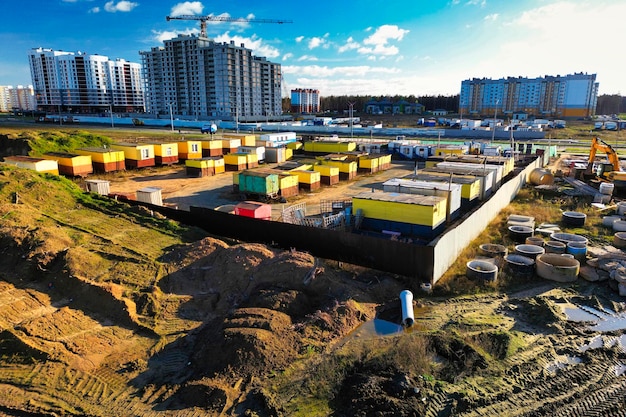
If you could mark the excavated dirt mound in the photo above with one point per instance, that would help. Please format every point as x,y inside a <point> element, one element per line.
<point>106,310</point>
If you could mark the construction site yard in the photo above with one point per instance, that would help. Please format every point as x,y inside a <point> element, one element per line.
<point>107,309</point>
<point>111,309</point>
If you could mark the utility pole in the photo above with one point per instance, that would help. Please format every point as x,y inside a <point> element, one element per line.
<point>351,104</point>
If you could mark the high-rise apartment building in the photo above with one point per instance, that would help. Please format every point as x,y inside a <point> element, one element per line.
<point>83,83</point>
<point>305,100</point>
<point>17,98</point>
<point>197,77</point>
<point>571,96</point>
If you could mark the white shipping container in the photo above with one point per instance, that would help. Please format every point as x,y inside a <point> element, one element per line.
<point>258,150</point>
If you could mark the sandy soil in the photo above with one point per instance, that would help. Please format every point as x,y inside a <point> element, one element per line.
<point>180,191</point>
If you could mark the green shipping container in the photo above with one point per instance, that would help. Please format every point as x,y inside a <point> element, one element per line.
<point>260,183</point>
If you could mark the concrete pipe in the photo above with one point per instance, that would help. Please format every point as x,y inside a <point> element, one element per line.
<point>539,176</point>
<point>530,251</point>
<point>519,265</point>
<point>568,237</point>
<point>574,218</point>
<point>406,301</point>
<point>558,268</point>
<point>607,221</point>
<point>520,233</point>
<point>483,270</point>
<point>493,250</point>
<point>555,246</point>
<point>619,240</point>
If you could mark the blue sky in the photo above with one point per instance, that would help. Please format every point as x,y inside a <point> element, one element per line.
<point>365,47</point>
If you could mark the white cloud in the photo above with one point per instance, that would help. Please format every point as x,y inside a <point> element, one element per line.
<point>481,3</point>
<point>384,33</point>
<point>491,17</point>
<point>299,39</point>
<point>350,44</point>
<point>316,41</point>
<point>94,10</point>
<point>287,56</point>
<point>379,50</point>
<point>345,71</point>
<point>307,58</point>
<point>187,8</point>
<point>121,6</point>
<point>258,45</point>
<point>165,35</point>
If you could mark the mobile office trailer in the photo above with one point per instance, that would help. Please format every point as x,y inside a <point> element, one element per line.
<point>41,165</point>
<point>104,159</point>
<point>137,155</point>
<point>72,165</point>
<point>449,190</point>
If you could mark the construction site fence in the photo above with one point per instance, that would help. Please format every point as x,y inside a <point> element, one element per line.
<point>422,262</point>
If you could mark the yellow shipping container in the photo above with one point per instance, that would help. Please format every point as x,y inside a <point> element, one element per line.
<point>218,164</point>
<point>307,177</point>
<point>246,140</point>
<point>190,149</point>
<point>323,146</point>
<point>347,167</point>
<point>288,153</point>
<point>294,146</point>
<point>406,208</point>
<point>370,164</point>
<point>135,151</point>
<point>327,170</point>
<point>200,163</point>
<point>236,159</point>
<point>211,147</point>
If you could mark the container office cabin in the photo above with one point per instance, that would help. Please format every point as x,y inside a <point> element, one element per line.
<point>486,178</point>
<point>41,165</point>
<point>327,146</point>
<point>347,168</point>
<point>71,164</point>
<point>138,155</point>
<point>189,149</point>
<point>410,215</point>
<point>165,153</point>
<point>212,148</point>
<point>104,159</point>
<point>449,190</point>
<point>204,167</point>
<point>470,185</point>
<point>254,210</point>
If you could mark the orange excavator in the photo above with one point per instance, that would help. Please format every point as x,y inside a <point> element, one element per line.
<point>605,169</point>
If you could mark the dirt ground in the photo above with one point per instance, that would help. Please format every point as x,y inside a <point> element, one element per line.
<point>180,191</point>
<point>106,312</point>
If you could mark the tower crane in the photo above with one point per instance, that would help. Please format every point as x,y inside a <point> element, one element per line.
<point>204,19</point>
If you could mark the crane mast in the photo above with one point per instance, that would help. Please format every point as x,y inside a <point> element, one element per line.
<point>204,19</point>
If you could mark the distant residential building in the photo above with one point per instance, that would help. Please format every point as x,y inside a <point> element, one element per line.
<point>305,100</point>
<point>571,96</point>
<point>387,106</point>
<point>84,83</point>
<point>17,98</point>
<point>196,76</point>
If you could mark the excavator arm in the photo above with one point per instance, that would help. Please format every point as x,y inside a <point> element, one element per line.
<point>600,145</point>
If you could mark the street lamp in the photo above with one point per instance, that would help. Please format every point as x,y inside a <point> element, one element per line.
<point>171,117</point>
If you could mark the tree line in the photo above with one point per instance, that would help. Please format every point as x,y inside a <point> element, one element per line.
<point>607,104</point>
